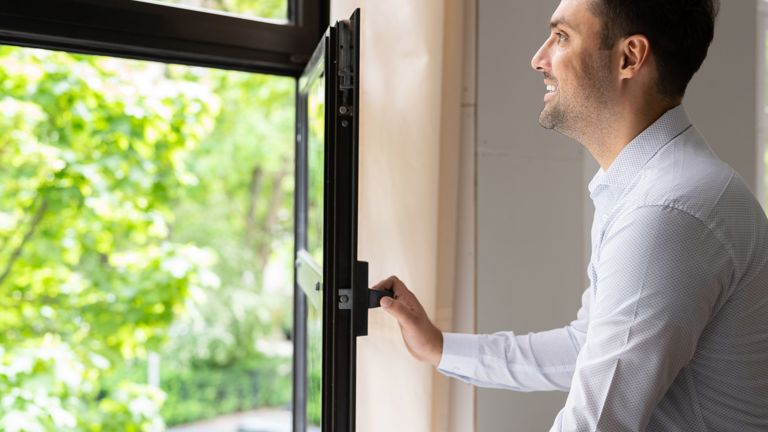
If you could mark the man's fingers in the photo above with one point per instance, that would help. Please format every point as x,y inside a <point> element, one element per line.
<point>393,284</point>
<point>397,309</point>
<point>386,284</point>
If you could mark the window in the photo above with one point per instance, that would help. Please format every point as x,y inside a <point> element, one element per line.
<point>327,270</point>
<point>143,191</point>
<point>146,221</point>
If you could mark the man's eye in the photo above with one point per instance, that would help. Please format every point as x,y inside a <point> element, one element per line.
<point>561,36</point>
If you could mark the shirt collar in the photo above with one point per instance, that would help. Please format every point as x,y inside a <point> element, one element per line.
<point>640,150</point>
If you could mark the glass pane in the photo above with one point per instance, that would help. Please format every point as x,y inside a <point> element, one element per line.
<point>316,167</point>
<point>315,217</point>
<point>146,245</point>
<point>314,368</point>
<point>268,9</point>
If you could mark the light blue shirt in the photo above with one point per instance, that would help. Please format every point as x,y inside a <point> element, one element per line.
<point>672,334</point>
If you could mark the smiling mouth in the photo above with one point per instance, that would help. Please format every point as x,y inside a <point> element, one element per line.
<point>551,90</point>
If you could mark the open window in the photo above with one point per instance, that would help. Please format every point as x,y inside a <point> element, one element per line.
<point>331,284</point>
<point>173,32</point>
<point>331,292</point>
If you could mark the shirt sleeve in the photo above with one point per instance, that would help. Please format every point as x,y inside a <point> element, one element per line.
<point>659,276</point>
<point>532,362</point>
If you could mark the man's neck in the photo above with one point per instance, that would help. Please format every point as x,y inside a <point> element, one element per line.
<point>606,141</point>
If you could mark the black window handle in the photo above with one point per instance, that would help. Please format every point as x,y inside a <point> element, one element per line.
<point>375,296</point>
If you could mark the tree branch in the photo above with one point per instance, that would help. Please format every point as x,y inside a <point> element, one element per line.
<point>253,198</point>
<point>17,252</point>
<point>269,219</point>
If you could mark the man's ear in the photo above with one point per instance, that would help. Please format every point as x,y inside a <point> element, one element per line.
<point>635,54</point>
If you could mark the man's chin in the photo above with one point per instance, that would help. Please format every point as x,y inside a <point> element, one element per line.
<point>547,119</point>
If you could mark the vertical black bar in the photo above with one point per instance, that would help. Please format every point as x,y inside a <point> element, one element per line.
<point>343,221</point>
<point>339,223</point>
<point>300,242</point>
<point>351,89</point>
<point>330,367</point>
<point>360,295</point>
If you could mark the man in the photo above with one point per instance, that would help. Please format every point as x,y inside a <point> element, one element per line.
<point>672,334</point>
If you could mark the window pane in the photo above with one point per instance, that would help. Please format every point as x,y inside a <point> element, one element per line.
<point>146,245</point>
<point>316,168</point>
<point>315,219</point>
<point>270,9</point>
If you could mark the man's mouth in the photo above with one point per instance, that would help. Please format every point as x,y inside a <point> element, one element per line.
<point>551,90</point>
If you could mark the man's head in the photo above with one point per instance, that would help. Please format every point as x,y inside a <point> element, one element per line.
<point>602,53</point>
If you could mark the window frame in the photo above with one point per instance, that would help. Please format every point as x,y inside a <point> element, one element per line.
<point>168,33</point>
<point>345,299</point>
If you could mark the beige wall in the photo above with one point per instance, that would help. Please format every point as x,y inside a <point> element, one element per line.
<point>533,210</point>
<point>453,401</point>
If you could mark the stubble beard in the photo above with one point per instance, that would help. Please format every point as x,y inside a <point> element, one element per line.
<point>551,117</point>
<point>574,115</point>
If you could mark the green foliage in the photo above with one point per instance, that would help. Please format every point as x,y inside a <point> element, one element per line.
<point>195,393</point>
<point>274,9</point>
<point>245,172</point>
<point>88,174</point>
<point>91,161</point>
<point>140,207</point>
<point>46,387</point>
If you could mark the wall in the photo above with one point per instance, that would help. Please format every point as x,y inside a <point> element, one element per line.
<point>533,210</point>
<point>453,401</point>
<point>722,97</point>
<point>532,206</point>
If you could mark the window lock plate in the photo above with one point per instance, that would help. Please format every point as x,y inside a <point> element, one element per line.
<point>345,299</point>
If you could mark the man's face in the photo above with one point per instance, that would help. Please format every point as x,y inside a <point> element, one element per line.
<point>577,73</point>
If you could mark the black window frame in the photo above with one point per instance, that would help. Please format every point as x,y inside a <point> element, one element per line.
<point>343,279</point>
<point>169,33</point>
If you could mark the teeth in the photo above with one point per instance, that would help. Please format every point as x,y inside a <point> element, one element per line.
<point>550,88</point>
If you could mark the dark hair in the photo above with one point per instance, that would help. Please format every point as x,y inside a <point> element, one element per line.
<point>679,32</point>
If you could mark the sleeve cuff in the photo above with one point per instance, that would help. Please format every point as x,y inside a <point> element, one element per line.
<point>460,354</point>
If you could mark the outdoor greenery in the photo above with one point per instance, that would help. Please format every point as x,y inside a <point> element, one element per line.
<point>195,393</point>
<point>143,208</point>
<point>271,9</point>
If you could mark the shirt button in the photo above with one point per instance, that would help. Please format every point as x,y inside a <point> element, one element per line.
<point>605,217</point>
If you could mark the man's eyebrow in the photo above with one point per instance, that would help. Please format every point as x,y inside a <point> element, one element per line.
<point>561,23</point>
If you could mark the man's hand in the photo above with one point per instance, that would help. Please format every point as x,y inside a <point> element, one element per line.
<point>423,340</point>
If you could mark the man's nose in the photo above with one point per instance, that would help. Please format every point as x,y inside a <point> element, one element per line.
<point>540,60</point>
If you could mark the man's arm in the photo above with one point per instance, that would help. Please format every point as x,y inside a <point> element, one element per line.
<point>537,361</point>
<point>533,362</point>
<point>660,275</point>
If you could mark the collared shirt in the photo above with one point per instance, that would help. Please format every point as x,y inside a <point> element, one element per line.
<point>672,334</point>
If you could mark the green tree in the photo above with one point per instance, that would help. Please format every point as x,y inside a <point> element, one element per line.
<point>140,206</point>
<point>242,208</point>
<point>91,160</point>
